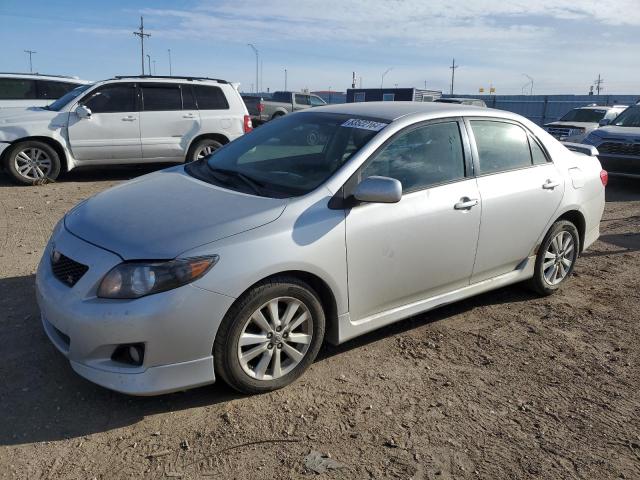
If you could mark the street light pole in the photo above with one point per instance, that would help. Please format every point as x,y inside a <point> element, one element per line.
<point>149,61</point>
<point>30,52</point>
<point>383,75</point>
<point>531,82</point>
<point>170,72</point>
<point>285,79</point>
<point>255,50</point>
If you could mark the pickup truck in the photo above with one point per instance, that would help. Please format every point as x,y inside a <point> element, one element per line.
<point>262,110</point>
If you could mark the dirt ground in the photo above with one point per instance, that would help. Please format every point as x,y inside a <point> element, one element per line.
<point>505,385</point>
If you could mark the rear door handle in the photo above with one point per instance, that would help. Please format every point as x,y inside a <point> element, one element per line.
<point>129,118</point>
<point>466,203</point>
<point>188,115</point>
<point>550,184</point>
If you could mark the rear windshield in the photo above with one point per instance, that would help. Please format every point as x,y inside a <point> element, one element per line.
<point>629,118</point>
<point>588,115</point>
<point>289,156</point>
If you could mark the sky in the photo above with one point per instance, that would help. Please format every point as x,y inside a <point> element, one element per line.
<point>562,46</point>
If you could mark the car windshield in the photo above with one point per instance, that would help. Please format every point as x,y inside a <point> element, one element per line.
<point>66,98</point>
<point>288,157</point>
<point>588,115</point>
<point>629,118</point>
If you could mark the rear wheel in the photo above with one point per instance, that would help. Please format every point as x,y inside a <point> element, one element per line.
<point>270,336</point>
<point>202,149</point>
<point>32,162</point>
<point>556,258</point>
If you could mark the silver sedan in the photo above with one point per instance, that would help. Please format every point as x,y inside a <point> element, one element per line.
<point>323,225</point>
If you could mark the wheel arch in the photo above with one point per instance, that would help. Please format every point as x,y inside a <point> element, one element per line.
<point>577,218</point>
<point>52,142</point>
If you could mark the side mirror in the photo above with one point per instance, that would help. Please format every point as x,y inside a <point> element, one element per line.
<point>604,122</point>
<point>83,112</point>
<point>378,190</point>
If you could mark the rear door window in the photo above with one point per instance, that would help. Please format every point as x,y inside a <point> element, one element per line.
<point>422,157</point>
<point>17,89</point>
<point>50,89</point>
<point>302,99</point>
<point>117,97</point>
<point>210,98</point>
<point>161,97</point>
<point>501,146</point>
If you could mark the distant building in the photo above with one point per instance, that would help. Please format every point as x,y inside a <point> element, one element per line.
<point>391,95</point>
<point>331,96</point>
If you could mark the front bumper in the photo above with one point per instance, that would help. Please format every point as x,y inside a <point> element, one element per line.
<point>3,147</point>
<point>177,327</point>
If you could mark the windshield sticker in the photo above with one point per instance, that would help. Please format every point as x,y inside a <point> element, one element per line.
<point>364,124</point>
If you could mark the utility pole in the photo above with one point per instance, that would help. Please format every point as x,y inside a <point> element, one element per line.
<point>141,34</point>
<point>149,61</point>
<point>170,72</point>
<point>261,77</point>
<point>255,50</point>
<point>453,73</point>
<point>285,79</point>
<point>530,84</point>
<point>383,75</point>
<point>30,52</point>
<point>598,83</point>
<point>353,80</point>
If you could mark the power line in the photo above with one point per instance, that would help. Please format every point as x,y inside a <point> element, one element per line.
<point>141,34</point>
<point>453,73</point>
<point>30,52</point>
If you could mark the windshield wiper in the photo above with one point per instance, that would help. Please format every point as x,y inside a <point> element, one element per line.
<point>253,184</point>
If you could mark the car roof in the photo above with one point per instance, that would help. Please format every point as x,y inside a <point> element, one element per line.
<point>393,110</point>
<point>41,76</point>
<point>600,107</point>
<point>164,79</point>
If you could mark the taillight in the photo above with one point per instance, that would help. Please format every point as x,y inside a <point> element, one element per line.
<point>248,126</point>
<point>260,107</point>
<point>604,177</point>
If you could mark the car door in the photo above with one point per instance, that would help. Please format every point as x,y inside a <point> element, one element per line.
<point>216,116</point>
<point>169,120</point>
<point>425,244</point>
<point>520,189</point>
<point>301,101</point>
<point>112,132</point>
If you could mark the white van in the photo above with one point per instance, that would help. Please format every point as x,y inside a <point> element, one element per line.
<point>123,120</point>
<point>20,90</point>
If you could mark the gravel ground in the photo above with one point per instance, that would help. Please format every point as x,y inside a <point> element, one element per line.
<point>505,385</point>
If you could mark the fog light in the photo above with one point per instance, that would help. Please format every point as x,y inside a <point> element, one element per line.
<point>131,354</point>
<point>135,353</point>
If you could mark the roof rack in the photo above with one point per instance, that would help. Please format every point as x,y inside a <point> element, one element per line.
<point>177,77</point>
<point>41,75</point>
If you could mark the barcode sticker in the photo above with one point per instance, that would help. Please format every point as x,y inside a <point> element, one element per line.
<point>364,124</point>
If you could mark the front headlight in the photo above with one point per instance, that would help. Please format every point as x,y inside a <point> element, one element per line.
<point>137,279</point>
<point>592,139</point>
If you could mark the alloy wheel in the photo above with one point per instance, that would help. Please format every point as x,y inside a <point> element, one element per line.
<point>205,151</point>
<point>33,163</point>
<point>559,258</point>
<point>275,338</point>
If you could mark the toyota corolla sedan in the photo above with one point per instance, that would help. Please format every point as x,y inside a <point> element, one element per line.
<point>238,266</point>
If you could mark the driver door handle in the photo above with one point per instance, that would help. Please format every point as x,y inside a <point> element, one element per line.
<point>550,184</point>
<point>129,118</point>
<point>466,203</point>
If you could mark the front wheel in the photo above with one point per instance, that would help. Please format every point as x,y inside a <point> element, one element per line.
<point>556,258</point>
<point>270,336</point>
<point>32,162</point>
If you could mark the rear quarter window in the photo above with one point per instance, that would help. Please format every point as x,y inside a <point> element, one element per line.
<point>210,98</point>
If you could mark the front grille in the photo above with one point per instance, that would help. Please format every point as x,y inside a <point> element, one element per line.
<point>559,131</point>
<point>66,270</point>
<point>619,148</point>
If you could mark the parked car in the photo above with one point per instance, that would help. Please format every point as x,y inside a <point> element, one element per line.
<point>618,143</point>
<point>21,90</point>
<point>580,122</point>
<point>238,266</point>
<point>262,110</point>
<point>120,121</point>
<point>462,101</point>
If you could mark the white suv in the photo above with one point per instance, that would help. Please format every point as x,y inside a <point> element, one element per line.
<point>122,120</point>
<point>21,90</point>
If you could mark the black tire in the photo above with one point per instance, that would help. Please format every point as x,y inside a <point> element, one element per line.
<point>225,349</point>
<point>539,283</point>
<point>50,174</point>
<point>196,148</point>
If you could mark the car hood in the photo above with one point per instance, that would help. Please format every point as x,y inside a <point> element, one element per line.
<point>619,133</point>
<point>571,124</point>
<point>161,215</point>
<point>17,123</point>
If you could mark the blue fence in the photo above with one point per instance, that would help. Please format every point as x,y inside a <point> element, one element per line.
<point>542,109</point>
